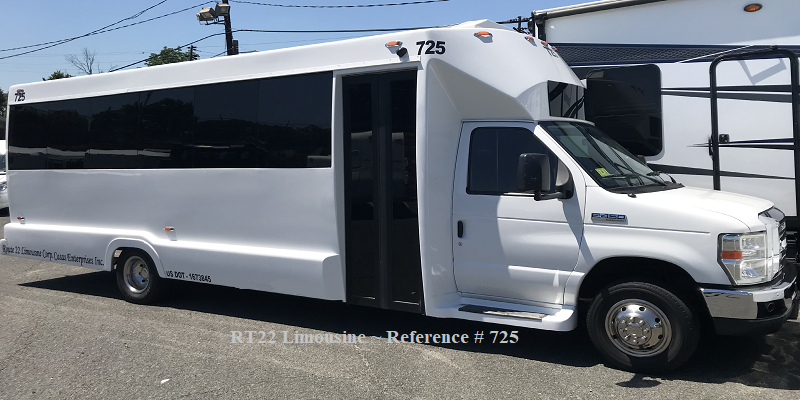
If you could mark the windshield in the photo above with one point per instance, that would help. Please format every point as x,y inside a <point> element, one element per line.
<point>611,166</point>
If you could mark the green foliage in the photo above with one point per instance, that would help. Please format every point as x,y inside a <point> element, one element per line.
<point>57,75</point>
<point>169,56</point>
<point>3,102</point>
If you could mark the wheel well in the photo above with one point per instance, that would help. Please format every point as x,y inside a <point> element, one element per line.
<point>115,255</point>
<point>616,269</point>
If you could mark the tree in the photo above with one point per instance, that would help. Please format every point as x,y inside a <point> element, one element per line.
<point>169,56</point>
<point>84,61</point>
<point>57,75</point>
<point>3,102</point>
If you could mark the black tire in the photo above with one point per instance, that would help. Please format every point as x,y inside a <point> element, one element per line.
<point>660,331</point>
<point>137,277</point>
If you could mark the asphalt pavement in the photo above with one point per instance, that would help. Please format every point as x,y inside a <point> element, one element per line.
<point>66,333</point>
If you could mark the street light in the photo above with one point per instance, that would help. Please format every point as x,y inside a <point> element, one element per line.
<point>211,16</point>
<point>222,10</point>
<point>207,14</point>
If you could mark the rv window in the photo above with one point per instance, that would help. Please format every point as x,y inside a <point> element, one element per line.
<point>625,103</point>
<point>494,157</point>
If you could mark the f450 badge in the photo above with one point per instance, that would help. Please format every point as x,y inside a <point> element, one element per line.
<point>618,218</point>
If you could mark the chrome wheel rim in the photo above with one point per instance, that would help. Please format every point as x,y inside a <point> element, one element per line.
<point>137,274</point>
<point>638,328</point>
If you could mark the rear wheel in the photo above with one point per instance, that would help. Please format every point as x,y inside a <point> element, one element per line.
<point>137,277</point>
<point>640,326</point>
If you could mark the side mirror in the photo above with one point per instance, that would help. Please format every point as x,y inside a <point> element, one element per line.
<point>533,176</point>
<point>533,173</point>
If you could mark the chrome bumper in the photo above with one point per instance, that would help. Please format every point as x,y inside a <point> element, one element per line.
<point>751,304</point>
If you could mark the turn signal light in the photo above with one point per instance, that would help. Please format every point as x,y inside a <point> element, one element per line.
<point>731,255</point>
<point>752,7</point>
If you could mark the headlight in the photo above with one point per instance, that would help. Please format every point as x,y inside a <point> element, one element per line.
<point>746,257</point>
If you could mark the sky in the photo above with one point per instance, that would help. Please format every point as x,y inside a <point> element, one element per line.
<point>38,21</point>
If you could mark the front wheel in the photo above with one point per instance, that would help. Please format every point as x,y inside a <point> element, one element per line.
<point>642,327</point>
<point>137,277</point>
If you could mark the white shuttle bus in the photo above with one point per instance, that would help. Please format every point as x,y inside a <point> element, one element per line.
<point>430,171</point>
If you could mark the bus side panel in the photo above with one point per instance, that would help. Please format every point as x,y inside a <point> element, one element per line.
<point>265,229</point>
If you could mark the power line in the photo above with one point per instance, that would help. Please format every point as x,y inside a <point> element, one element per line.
<point>92,32</point>
<point>103,30</point>
<point>187,44</point>
<point>341,6</point>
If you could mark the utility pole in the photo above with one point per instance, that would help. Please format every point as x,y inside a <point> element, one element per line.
<point>191,52</point>
<point>228,34</point>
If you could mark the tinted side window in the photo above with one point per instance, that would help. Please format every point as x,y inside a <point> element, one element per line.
<point>113,132</point>
<point>494,157</point>
<point>165,128</point>
<point>68,133</point>
<point>625,103</point>
<point>565,100</point>
<point>225,128</point>
<point>27,138</point>
<point>294,121</point>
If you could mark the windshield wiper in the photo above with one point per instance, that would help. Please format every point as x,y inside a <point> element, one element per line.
<point>659,173</point>
<point>635,175</point>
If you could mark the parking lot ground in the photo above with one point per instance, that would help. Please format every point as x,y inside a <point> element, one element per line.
<point>66,333</point>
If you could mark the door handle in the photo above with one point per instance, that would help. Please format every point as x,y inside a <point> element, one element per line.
<point>460,229</point>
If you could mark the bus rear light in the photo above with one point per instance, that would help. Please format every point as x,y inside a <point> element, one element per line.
<point>483,34</point>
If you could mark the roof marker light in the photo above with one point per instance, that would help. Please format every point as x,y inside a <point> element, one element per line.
<point>394,43</point>
<point>483,34</point>
<point>529,38</point>
<point>753,7</point>
<point>169,228</point>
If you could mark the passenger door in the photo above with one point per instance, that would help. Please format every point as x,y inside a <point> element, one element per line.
<point>512,247</point>
<point>381,222</point>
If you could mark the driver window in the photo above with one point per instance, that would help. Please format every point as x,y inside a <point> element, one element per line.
<point>494,156</point>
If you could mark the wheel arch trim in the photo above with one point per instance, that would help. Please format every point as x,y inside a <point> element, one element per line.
<point>138,244</point>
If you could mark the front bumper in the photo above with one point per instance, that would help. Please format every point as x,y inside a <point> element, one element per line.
<point>757,310</point>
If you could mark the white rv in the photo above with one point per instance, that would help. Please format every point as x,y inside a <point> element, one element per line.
<point>648,67</point>
<point>431,171</point>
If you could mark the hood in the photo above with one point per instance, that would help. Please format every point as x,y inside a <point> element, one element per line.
<point>738,206</point>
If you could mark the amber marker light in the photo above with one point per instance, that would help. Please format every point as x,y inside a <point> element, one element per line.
<point>394,43</point>
<point>753,7</point>
<point>169,228</point>
<point>530,38</point>
<point>483,34</point>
